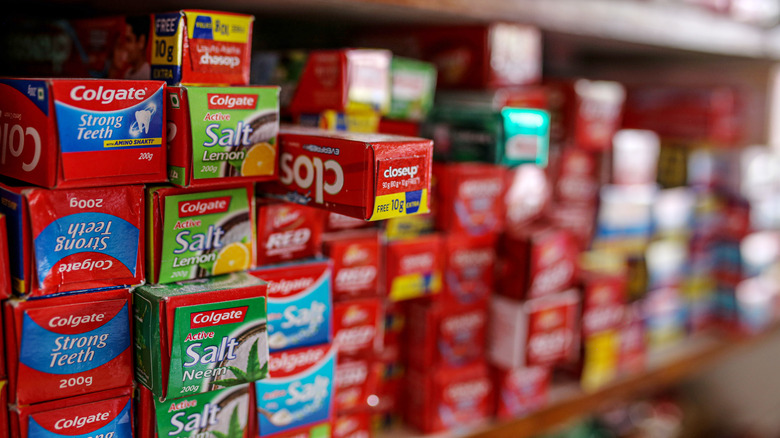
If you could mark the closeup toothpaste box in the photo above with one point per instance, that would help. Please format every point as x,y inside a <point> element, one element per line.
<point>74,239</point>
<point>357,327</point>
<point>82,133</point>
<point>201,47</point>
<point>413,268</point>
<point>300,309</point>
<point>357,425</point>
<point>520,391</point>
<point>356,381</point>
<point>469,265</point>
<point>356,263</point>
<point>199,232</point>
<point>288,231</point>
<point>300,393</point>
<point>470,198</point>
<point>70,345</point>
<point>366,176</point>
<point>412,90</point>
<point>200,336</point>
<point>221,134</point>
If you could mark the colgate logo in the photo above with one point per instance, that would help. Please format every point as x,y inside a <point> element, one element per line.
<point>288,362</point>
<point>467,322</point>
<point>394,172</point>
<point>78,421</point>
<point>470,258</point>
<point>417,262</point>
<point>75,321</point>
<point>218,317</point>
<point>232,101</point>
<point>204,206</point>
<point>480,189</point>
<point>286,287</point>
<point>106,96</point>
<point>468,391</point>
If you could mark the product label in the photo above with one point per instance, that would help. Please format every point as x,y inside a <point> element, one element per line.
<point>356,326</point>
<point>527,136</point>
<point>551,334</point>
<point>167,47</point>
<point>107,418</point>
<point>355,266</point>
<point>401,187</point>
<point>288,232</point>
<point>222,413</point>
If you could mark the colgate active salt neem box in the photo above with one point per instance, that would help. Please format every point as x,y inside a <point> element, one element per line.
<point>413,268</point>
<point>82,133</point>
<point>355,256</point>
<point>357,327</point>
<point>74,239</point>
<point>520,391</point>
<point>300,393</point>
<point>221,134</point>
<point>469,265</point>
<point>199,336</point>
<point>357,379</point>
<point>300,309</point>
<point>470,198</point>
<point>201,47</point>
<point>199,232</point>
<point>367,176</point>
<point>287,231</point>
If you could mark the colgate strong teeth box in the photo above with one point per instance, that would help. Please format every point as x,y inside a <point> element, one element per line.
<point>367,176</point>
<point>356,381</point>
<point>470,198</point>
<point>445,336</point>
<point>82,133</point>
<point>199,336</point>
<point>355,256</point>
<point>300,393</point>
<point>357,327</point>
<point>74,239</point>
<point>413,268</point>
<point>520,391</point>
<point>468,270</point>
<point>221,134</point>
<point>287,231</point>
<point>300,310</point>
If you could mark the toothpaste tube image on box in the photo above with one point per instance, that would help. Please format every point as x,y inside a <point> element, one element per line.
<point>366,176</point>
<point>221,134</point>
<point>300,310</point>
<point>201,335</point>
<point>200,232</point>
<point>82,133</point>
<point>74,239</point>
<point>300,393</point>
<point>356,263</point>
<point>287,231</point>
<point>470,198</point>
<point>358,327</point>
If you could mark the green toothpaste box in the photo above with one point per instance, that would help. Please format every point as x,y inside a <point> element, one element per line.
<point>412,90</point>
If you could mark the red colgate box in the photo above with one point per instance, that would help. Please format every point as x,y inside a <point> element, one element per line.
<point>520,391</point>
<point>470,198</point>
<point>355,256</point>
<point>576,177</point>
<point>287,231</point>
<point>82,133</point>
<point>357,327</point>
<point>468,270</point>
<point>542,331</point>
<point>366,176</point>
<point>413,268</point>
<point>542,261</point>
<point>603,303</point>
<point>353,426</point>
<point>356,381</point>
<point>107,412</point>
<point>74,239</point>
<point>528,194</point>
<point>5,264</point>
<point>446,399</point>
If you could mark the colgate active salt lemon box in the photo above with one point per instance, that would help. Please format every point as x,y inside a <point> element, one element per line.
<point>298,400</point>
<point>199,232</point>
<point>445,337</point>
<point>357,379</point>
<point>470,198</point>
<point>82,133</point>
<point>413,268</point>
<point>357,327</point>
<point>356,261</point>
<point>202,335</point>
<point>201,47</point>
<point>469,264</point>
<point>300,310</point>
<point>367,176</point>
<point>222,134</point>
<point>74,239</point>
<point>287,231</point>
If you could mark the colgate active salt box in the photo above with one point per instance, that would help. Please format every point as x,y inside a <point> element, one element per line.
<point>300,309</point>
<point>357,327</point>
<point>70,345</point>
<point>82,133</point>
<point>199,232</point>
<point>74,239</point>
<point>357,379</point>
<point>413,268</point>
<point>287,231</point>
<point>357,425</point>
<point>520,391</point>
<point>106,413</point>
<point>201,47</point>
<point>445,336</point>
<point>298,400</point>
<point>470,198</point>
<point>469,265</point>
<point>199,336</point>
<point>367,176</point>
<point>356,261</point>
<point>222,134</point>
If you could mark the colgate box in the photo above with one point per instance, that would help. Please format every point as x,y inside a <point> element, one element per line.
<point>200,336</point>
<point>367,176</point>
<point>520,391</point>
<point>355,256</point>
<point>468,270</point>
<point>356,381</point>
<point>201,47</point>
<point>300,310</point>
<point>358,327</point>
<point>74,239</point>
<point>413,268</point>
<point>82,133</point>
<point>299,397</point>
<point>222,134</point>
<point>470,198</point>
<point>287,231</point>
<point>353,426</point>
<point>542,331</point>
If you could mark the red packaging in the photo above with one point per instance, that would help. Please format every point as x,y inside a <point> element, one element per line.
<point>470,198</point>
<point>520,391</point>
<point>4,429</point>
<point>393,331</point>
<point>353,426</point>
<point>603,303</point>
<point>287,231</point>
<point>578,220</point>
<point>413,268</point>
<point>356,381</point>
<point>399,127</point>
<point>528,194</point>
<point>468,270</point>
<point>355,256</point>
<point>576,178</point>
<point>633,341</point>
<point>5,265</point>
<point>445,336</point>
<point>357,327</point>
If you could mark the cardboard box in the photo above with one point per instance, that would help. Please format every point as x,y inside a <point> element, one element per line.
<point>74,239</point>
<point>413,86</point>
<point>367,176</point>
<point>469,265</point>
<point>225,315</point>
<point>357,379</point>
<point>520,391</point>
<point>288,231</point>
<point>470,198</point>
<point>357,327</point>
<point>356,262</point>
<point>603,303</point>
<point>222,134</point>
<point>82,133</point>
<point>413,268</point>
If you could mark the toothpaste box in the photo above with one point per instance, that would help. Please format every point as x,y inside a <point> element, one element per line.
<point>469,265</point>
<point>5,263</point>
<point>632,354</point>
<point>82,133</point>
<point>352,120</point>
<point>199,336</point>
<point>357,379</point>
<point>287,231</point>
<point>356,261</point>
<point>470,198</point>
<point>300,309</point>
<point>357,327</point>
<point>106,413</point>
<point>199,232</point>
<point>221,134</point>
<point>367,176</point>
<point>603,303</point>
<point>412,89</point>
<point>576,177</point>
<point>300,393</point>
<point>201,47</point>
<point>413,267</point>
<point>74,239</point>
<point>339,222</point>
<point>357,425</point>
<point>528,192</point>
<point>520,391</point>
<point>70,345</point>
